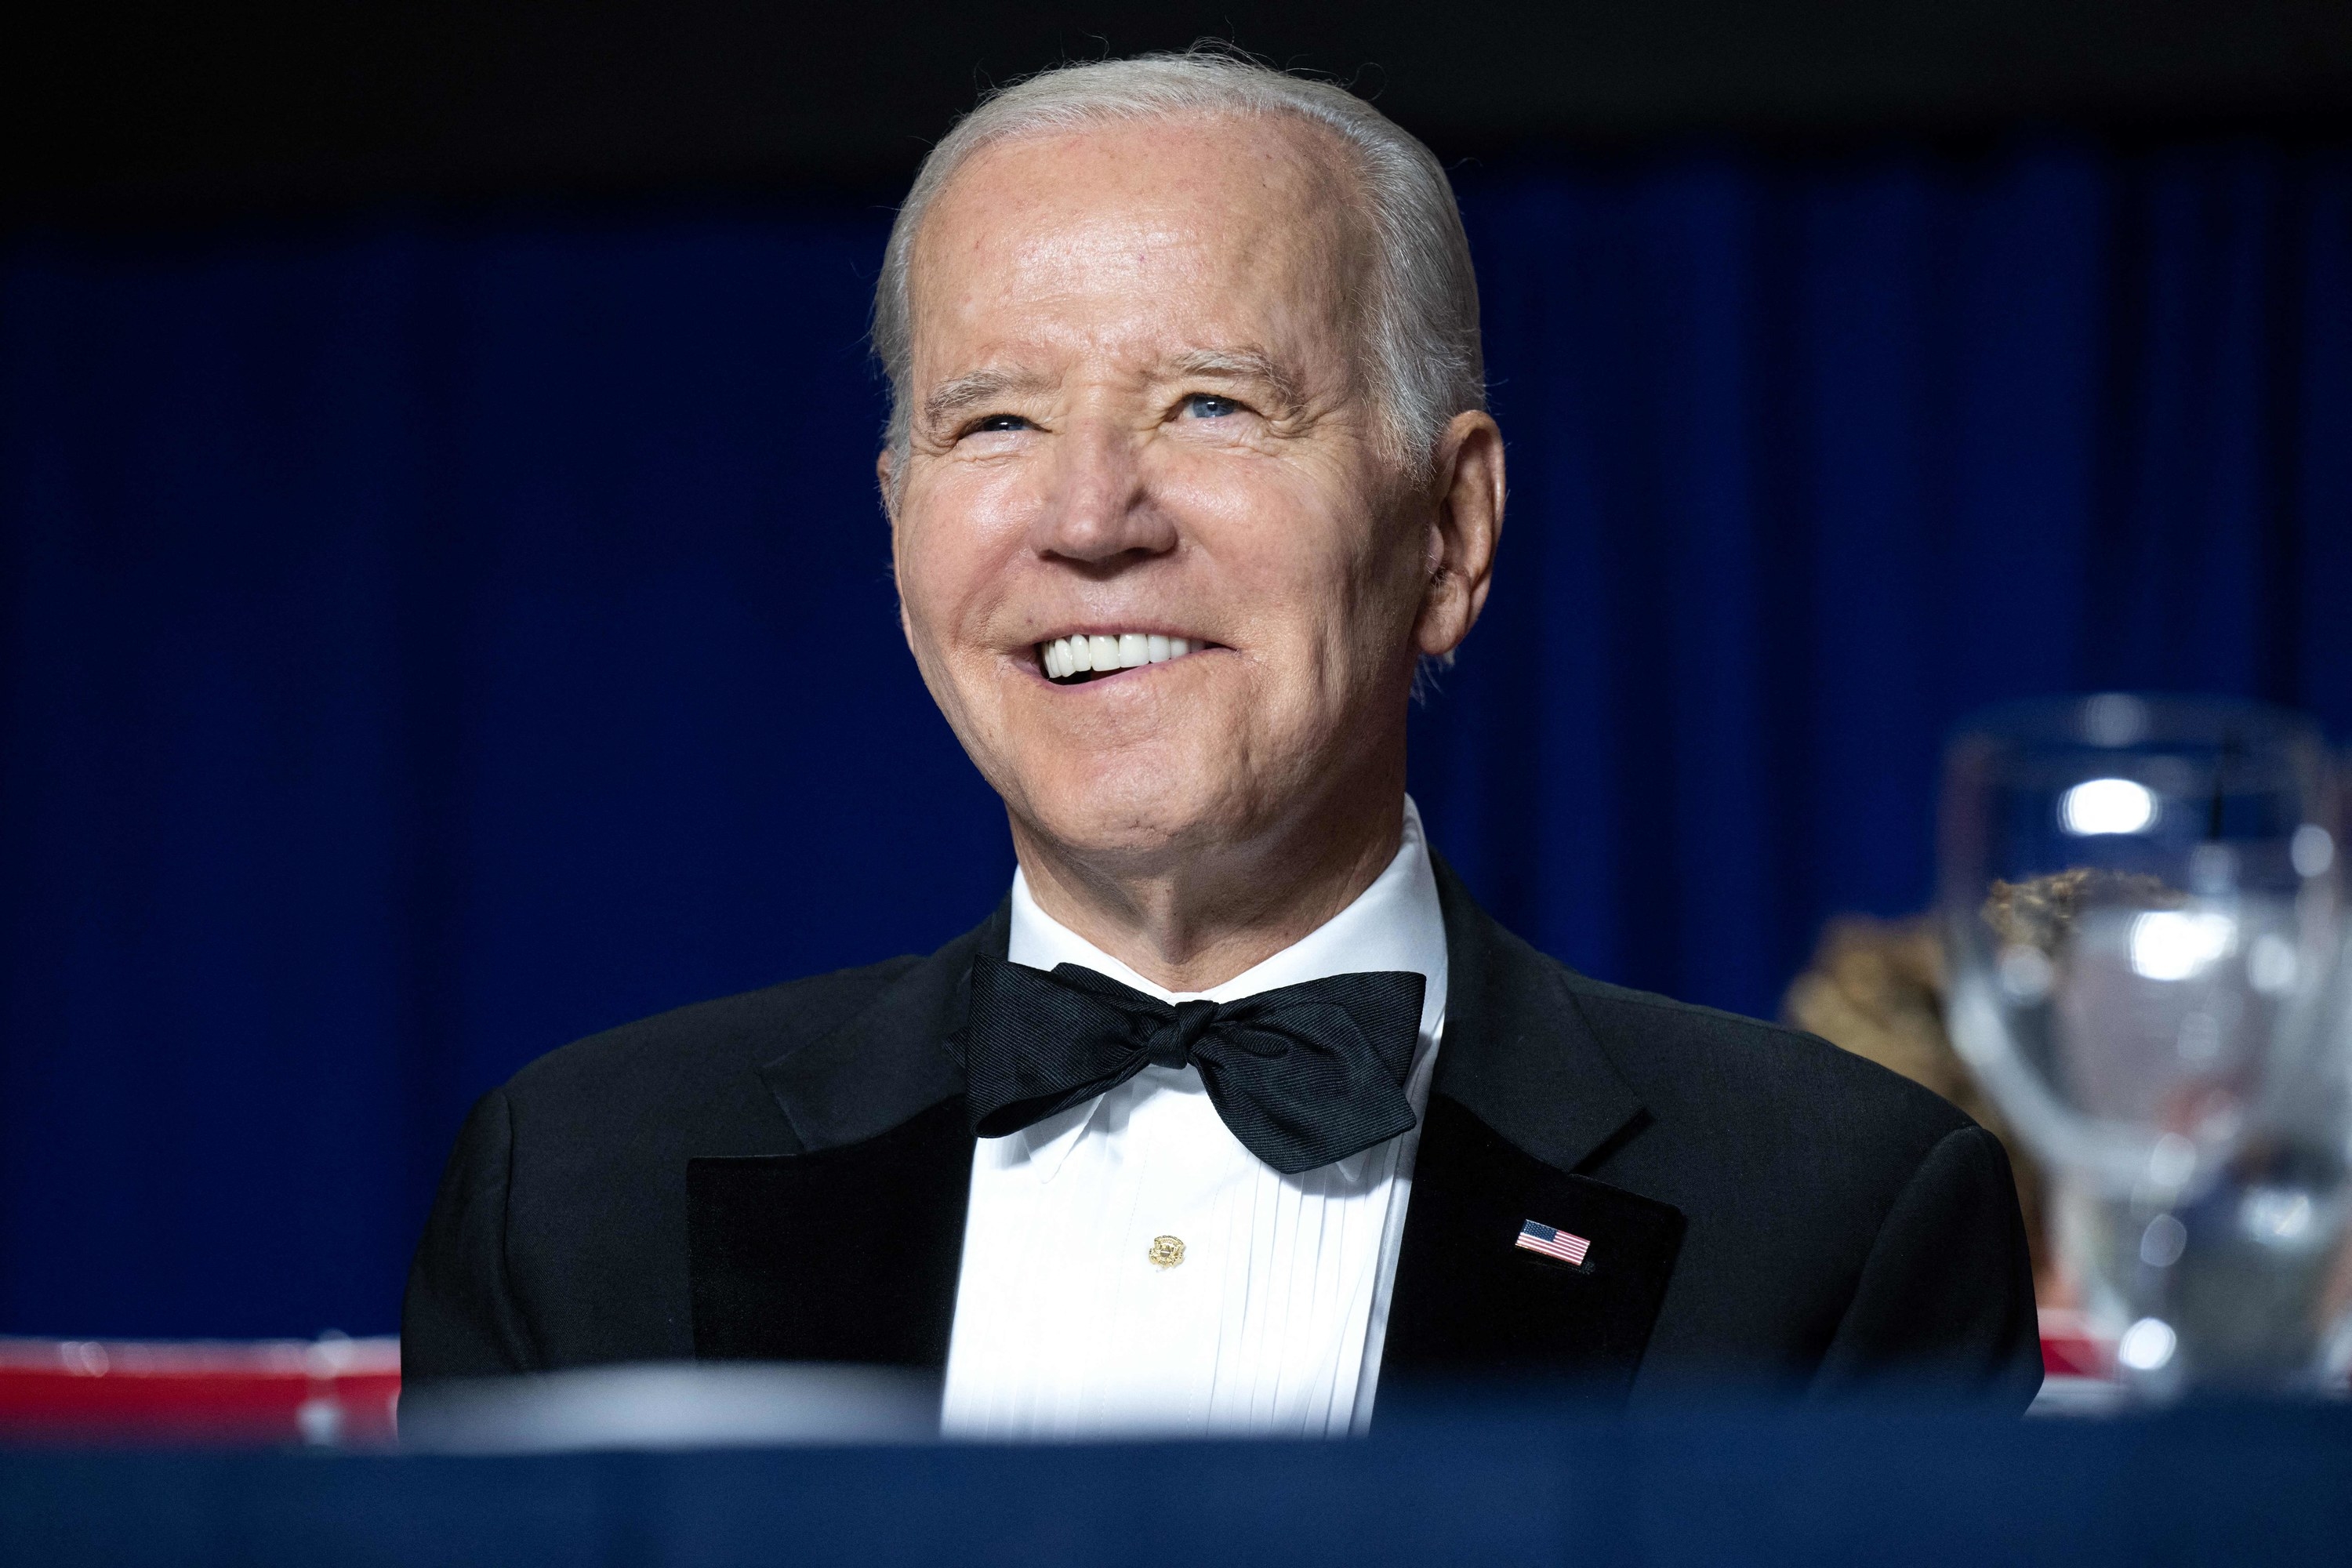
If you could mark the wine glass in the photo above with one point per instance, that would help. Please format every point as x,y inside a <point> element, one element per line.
<point>2140,909</point>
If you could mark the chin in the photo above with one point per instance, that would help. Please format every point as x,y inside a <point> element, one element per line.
<point>1122,809</point>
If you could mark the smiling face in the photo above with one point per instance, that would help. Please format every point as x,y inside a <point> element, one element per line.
<point>1154,562</point>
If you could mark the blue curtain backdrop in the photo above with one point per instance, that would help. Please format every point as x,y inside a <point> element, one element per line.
<point>430,638</point>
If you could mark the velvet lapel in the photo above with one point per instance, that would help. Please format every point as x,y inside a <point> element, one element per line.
<point>1525,1102</point>
<point>848,1248</point>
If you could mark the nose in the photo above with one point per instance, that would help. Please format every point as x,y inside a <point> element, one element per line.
<point>1098,505</point>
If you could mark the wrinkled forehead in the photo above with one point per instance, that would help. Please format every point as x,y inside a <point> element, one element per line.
<point>1127,223</point>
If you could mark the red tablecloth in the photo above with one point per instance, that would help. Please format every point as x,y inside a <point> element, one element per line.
<point>337,1391</point>
<point>327,1391</point>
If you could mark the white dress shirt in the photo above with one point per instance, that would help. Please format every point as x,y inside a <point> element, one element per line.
<point>1273,1321</point>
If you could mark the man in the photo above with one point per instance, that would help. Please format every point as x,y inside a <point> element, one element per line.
<point>1238,1111</point>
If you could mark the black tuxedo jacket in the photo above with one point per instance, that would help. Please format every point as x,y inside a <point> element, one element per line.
<point>784,1175</point>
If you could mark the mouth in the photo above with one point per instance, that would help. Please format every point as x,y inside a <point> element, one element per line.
<point>1076,660</point>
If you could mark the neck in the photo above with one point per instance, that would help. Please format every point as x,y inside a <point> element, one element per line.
<point>1190,921</point>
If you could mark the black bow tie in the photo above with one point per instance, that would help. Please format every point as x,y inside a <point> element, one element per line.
<point>1303,1076</point>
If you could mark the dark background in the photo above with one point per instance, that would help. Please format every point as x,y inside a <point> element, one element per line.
<point>446,611</point>
<point>132,107</point>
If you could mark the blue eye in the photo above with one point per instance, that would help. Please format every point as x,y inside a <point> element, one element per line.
<point>996,424</point>
<point>1208,405</point>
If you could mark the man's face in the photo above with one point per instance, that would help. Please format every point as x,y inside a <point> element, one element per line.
<point>1138,412</point>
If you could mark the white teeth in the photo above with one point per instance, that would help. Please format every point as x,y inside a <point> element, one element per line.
<point>1066,657</point>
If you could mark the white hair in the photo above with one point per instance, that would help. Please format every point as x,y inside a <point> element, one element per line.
<point>1421,317</point>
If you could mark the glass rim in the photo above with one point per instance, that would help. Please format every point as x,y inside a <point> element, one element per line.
<point>2125,721</point>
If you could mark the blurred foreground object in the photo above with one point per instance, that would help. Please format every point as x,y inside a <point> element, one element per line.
<point>329,1392</point>
<point>2140,916</point>
<point>672,1406</point>
<point>1491,1483</point>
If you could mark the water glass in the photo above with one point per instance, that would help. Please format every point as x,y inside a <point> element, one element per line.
<point>2142,918</point>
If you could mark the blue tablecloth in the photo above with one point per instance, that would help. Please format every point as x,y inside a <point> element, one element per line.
<point>1489,1486</point>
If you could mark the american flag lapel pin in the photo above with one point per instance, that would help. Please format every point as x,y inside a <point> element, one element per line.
<point>1553,1242</point>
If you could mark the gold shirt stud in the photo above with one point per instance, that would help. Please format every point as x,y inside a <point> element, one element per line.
<point>1167,1251</point>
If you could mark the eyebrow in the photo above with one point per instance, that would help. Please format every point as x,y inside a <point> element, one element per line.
<point>956,394</point>
<point>952,396</point>
<point>1242,364</point>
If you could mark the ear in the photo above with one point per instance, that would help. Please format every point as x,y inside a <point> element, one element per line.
<point>1464,528</point>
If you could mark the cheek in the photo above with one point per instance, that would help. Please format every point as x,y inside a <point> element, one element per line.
<point>1271,530</point>
<point>958,536</point>
<point>1307,548</point>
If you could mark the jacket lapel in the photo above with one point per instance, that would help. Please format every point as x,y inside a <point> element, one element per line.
<point>847,1249</point>
<point>1525,1103</point>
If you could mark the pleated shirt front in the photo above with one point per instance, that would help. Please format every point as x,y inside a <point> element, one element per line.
<point>1129,1269</point>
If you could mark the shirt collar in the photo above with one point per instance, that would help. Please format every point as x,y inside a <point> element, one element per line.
<point>1396,923</point>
